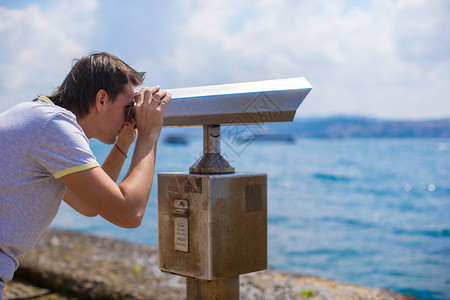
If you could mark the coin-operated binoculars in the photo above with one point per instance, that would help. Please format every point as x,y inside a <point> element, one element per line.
<point>212,222</point>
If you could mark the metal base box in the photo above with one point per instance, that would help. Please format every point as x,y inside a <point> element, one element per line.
<point>212,226</point>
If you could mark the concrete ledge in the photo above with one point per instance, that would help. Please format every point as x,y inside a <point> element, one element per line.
<point>84,266</point>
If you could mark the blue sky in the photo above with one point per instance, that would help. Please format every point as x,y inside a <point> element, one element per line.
<point>380,58</point>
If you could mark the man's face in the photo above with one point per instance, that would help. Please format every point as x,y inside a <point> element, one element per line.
<point>116,114</point>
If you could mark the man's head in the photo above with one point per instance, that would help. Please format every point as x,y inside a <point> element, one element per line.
<point>94,72</point>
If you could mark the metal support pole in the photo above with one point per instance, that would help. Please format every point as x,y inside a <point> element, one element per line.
<point>219,289</point>
<point>211,139</point>
<point>211,162</point>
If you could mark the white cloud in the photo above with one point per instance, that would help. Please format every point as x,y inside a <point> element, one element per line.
<point>372,60</point>
<point>420,29</point>
<point>38,45</point>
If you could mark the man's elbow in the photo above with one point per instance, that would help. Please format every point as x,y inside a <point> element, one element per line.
<point>133,220</point>
<point>134,224</point>
<point>91,214</point>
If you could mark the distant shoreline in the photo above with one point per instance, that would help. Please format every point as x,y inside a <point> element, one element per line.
<point>358,127</point>
<point>337,127</point>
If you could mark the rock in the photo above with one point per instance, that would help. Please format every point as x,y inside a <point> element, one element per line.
<point>82,266</point>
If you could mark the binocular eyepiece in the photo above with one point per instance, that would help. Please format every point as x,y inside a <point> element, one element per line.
<point>131,113</point>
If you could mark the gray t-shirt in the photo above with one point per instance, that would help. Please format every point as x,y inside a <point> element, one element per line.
<point>39,143</point>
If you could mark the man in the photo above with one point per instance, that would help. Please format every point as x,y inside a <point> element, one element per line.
<point>45,155</point>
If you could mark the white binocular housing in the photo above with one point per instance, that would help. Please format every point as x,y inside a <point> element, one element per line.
<point>239,103</point>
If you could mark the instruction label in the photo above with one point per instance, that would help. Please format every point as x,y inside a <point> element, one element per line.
<point>181,226</point>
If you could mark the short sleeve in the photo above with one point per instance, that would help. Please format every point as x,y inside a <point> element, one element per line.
<point>62,148</point>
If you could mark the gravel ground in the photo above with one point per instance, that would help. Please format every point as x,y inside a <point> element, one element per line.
<point>70,265</point>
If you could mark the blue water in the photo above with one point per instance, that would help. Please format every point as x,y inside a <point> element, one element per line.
<point>374,212</point>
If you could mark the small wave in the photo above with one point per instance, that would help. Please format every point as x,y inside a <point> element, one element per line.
<point>431,233</point>
<point>443,252</point>
<point>332,177</point>
<point>349,221</point>
<point>274,219</point>
<point>325,252</point>
<point>445,232</point>
<point>422,294</point>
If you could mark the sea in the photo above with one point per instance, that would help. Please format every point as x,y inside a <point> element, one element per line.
<point>374,212</point>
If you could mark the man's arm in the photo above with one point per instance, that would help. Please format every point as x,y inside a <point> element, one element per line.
<point>116,158</point>
<point>124,204</point>
<point>112,166</point>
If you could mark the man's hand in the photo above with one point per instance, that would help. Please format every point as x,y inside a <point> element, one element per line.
<point>127,136</point>
<point>150,106</point>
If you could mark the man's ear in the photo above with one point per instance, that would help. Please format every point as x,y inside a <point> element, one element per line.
<point>100,99</point>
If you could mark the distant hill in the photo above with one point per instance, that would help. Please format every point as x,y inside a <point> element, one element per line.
<point>336,127</point>
<point>359,127</point>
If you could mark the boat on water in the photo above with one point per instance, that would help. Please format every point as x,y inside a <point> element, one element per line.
<point>268,137</point>
<point>176,139</point>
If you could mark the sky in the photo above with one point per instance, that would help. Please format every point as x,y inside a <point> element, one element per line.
<point>382,58</point>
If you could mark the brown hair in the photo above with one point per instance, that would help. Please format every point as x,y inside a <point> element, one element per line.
<point>90,74</point>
